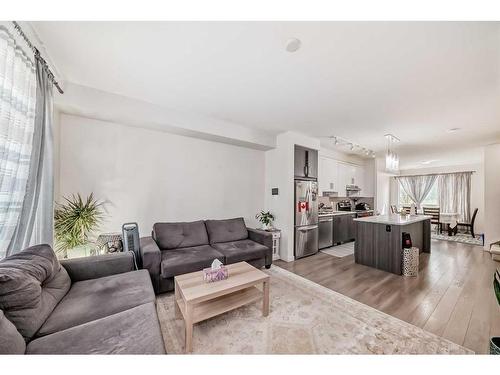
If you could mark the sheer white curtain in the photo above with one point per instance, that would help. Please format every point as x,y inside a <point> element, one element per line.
<point>454,194</point>
<point>417,187</point>
<point>17,118</point>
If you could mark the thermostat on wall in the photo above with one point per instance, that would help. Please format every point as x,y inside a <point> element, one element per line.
<point>274,191</point>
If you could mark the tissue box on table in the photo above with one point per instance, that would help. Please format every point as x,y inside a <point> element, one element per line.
<point>216,273</point>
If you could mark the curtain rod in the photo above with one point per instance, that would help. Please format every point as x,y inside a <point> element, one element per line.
<point>432,174</point>
<point>38,56</point>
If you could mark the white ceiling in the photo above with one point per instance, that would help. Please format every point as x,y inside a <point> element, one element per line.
<point>358,80</point>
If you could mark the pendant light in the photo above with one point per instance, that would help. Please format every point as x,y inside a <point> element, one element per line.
<point>391,157</point>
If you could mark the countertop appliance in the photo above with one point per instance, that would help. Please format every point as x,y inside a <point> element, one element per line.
<point>306,218</point>
<point>362,206</point>
<point>325,231</point>
<point>344,205</point>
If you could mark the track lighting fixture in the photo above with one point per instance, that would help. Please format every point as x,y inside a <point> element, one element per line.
<point>339,141</point>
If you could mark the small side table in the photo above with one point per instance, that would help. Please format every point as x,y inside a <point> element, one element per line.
<point>109,243</point>
<point>276,241</point>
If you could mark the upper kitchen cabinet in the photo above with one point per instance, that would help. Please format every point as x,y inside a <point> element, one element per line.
<point>347,175</point>
<point>328,175</point>
<point>368,181</point>
<point>359,179</point>
<point>306,162</point>
<point>352,174</point>
<point>334,175</point>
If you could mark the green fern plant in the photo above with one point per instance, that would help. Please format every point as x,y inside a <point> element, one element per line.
<point>265,218</point>
<point>75,220</point>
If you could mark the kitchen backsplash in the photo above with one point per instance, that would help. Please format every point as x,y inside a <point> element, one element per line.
<point>332,201</point>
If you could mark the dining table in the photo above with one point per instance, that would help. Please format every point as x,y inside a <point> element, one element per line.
<point>450,219</point>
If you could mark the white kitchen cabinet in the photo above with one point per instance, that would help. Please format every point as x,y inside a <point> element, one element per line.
<point>327,175</point>
<point>334,175</point>
<point>368,181</point>
<point>351,174</point>
<point>346,176</point>
<point>359,178</point>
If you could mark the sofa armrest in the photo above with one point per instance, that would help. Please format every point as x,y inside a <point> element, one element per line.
<point>151,260</point>
<point>94,267</point>
<point>264,238</point>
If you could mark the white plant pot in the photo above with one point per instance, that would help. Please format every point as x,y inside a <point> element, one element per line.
<point>266,226</point>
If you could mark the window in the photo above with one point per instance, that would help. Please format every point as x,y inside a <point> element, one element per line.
<point>432,198</point>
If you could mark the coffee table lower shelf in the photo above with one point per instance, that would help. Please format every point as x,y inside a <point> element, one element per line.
<point>210,308</point>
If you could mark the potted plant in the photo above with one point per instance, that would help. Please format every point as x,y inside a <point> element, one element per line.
<point>495,341</point>
<point>74,222</point>
<point>266,218</point>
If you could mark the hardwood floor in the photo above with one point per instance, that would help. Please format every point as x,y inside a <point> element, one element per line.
<point>452,296</point>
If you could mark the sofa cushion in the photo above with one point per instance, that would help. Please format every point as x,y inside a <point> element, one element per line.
<point>32,283</point>
<point>93,299</point>
<point>191,259</point>
<point>239,251</point>
<point>133,331</point>
<point>11,341</point>
<point>178,235</point>
<point>226,230</point>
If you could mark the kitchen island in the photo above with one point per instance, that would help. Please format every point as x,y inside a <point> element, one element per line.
<point>379,239</point>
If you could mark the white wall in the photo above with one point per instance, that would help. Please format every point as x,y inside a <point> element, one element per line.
<point>491,194</point>
<point>477,198</point>
<point>280,174</point>
<point>100,105</point>
<point>148,176</point>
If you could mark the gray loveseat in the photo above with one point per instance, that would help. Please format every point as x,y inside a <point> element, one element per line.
<point>178,248</point>
<point>94,305</point>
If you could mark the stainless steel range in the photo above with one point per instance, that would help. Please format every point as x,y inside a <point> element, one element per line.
<point>344,205</point>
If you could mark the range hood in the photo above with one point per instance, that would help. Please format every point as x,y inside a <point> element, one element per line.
<point>353,188</point>
<point>330,193</point>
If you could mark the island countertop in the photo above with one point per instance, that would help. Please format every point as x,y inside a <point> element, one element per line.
<point>394,219</point>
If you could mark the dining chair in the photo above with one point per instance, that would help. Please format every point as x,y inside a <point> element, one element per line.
<point>435,213</point>
<point>470,226</point>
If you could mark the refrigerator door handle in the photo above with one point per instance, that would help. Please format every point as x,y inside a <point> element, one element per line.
<point>309,227</point>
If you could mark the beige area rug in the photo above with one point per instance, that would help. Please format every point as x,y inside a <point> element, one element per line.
<point>305,318</point>
<point>340,251</point>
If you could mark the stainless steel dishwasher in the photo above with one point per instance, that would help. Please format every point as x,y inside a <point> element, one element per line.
<point>325,232</point>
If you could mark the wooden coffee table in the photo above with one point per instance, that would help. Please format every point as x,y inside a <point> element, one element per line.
<point>196,300</point>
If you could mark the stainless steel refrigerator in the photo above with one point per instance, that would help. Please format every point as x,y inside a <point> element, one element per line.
<point>306,218</point>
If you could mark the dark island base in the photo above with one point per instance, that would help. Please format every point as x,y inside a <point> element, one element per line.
<point>376,247</point>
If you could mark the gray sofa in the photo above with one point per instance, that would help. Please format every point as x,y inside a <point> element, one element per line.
<point>94,305</point>
<point>177,248</point>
